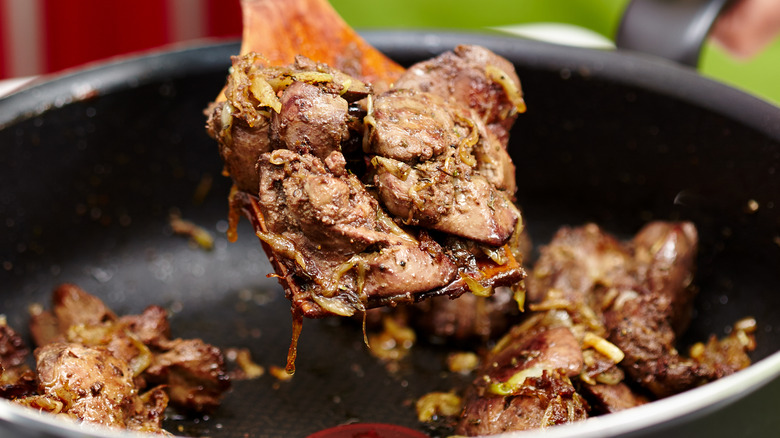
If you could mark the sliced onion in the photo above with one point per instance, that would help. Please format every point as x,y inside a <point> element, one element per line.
<point>44,403</point>
<point>399,169</point>
<point>437,403</point>
<point>603,346</point>
<point>462,362</point>
<point>417,187</point>
<point>312,77</point>
<point>335,305</point>
<point>276,158</point>
<point>141,362</point>
<point>393,227</point>
<point>498,255</point>
<point>265,94</point>
<point>283,246</point>
<point>519,295</point>
<point>747,325</point>
<point>280,373</point>
<point>513,93</point>
<point>226,120</point>
<point>467,144</point>
<point>476,287</point>
<point>515,382</point>
<point>345,86</point>
<point>394,341</point>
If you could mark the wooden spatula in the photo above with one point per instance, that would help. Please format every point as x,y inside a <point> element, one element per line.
<point>282,29</point>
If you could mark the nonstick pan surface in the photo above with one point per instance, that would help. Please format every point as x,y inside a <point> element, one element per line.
<point>93,163</point>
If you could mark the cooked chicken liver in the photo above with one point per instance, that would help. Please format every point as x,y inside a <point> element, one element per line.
<point>637,294</point>
<point>114,371</point>
<point>475,78</point>
<point>354,227</point>
<point>603,332</point>
<point>525,383</point>
<point>16,378</point>
<point>425,168</point>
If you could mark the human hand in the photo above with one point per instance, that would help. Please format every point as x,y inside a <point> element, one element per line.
<point>748,26</point>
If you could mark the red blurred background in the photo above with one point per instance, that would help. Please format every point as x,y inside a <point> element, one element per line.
<point>45,36</point>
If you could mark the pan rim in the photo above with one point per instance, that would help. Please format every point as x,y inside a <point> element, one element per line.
<point>625,68</point>
<point>685,405</point>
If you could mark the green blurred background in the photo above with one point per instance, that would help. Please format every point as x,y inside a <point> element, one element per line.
<point>759,76</point>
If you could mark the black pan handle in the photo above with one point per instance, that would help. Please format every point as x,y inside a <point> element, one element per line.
<point>673,29</point>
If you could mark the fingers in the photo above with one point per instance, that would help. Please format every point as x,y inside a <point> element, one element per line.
<point>748,26</point>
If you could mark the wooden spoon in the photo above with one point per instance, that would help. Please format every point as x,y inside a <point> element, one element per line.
<point>282,29</point>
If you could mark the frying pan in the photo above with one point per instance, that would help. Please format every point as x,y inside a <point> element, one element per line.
<point>93,163</point>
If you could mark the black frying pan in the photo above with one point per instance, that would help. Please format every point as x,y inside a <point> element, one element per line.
<point>92,163</point>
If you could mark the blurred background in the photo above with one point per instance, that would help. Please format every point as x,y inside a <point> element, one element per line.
<point>48,36</point>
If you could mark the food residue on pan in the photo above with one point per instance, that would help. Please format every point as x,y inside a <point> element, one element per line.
<point>437,403</point>
<point>197,234</point>
<point>280,373</point>
<point>247,368</point>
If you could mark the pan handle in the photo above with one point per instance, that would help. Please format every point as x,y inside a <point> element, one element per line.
<point>673,29</point>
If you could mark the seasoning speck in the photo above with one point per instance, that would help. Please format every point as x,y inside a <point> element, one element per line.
<point>752,206</point>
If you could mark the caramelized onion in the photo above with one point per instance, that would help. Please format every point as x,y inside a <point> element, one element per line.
<point>512,91</point>
<point>335,305</point>
<point>476,287</point>
<point>283,246</point>
<point>498,255</point>
<point>514,383</point>
<point>603,346</point>
<point>265,94</point>
<point>437,403</point>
